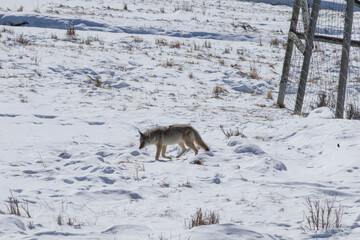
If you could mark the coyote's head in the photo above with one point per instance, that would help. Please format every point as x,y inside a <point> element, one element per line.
<point>144,141</point>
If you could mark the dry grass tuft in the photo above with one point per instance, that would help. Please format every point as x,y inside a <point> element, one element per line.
<point>21,8</point>
<point>352,111</point>
<point>175,44</point>
<point>198,162</point>
<point>97,82</point>
<point>227,51</point>
<point>219,91</point>
<point>54,36</point>
<point>207,44</point>
<point>70,31</point>
<point>168,63</point>
<point>231,133</point>
<point>324,100</point>
<point>274,42</point>
<point>138,39</point>
<point>161,42</point>
<point>22,40</point>
<point>13,205</point>
<point>125,8</point>
<point>200,219</point>
<point>25,207</point>
<point>322,215</point>
<point>254,71</point>
<point>164,185</point>
<point>59,220</point>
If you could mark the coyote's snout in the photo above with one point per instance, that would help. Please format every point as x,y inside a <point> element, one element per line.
<point>174,134</point>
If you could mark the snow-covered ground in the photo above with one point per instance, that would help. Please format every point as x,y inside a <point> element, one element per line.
<point>71,108</point>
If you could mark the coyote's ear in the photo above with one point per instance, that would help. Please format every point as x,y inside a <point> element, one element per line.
<point>141,133</point>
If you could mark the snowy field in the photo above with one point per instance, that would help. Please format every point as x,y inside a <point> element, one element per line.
<point>71,107</point>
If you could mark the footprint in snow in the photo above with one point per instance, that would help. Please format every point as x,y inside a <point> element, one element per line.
<point>86,167</point>
<point>71,163</point>
<point>107,180</point>
<point>30,172</point>
<point>108,170</point>
<point>96,123</point>
<point>103,154</point>
<point>9,115</point>
<point>65,155</point>
<point>45,116</point>
<point>68,181</point>
<point>135,153</point>
<point>80,179</point>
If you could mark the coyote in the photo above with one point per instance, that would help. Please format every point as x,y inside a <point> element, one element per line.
<point>174,134</point>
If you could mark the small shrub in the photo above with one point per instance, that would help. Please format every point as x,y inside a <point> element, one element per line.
<point>322,215</point>
<point>125,8</point>
<point>200,219</point>
<point>269,95</point>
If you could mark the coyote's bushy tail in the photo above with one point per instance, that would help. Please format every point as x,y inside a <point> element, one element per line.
<point>198,140</point>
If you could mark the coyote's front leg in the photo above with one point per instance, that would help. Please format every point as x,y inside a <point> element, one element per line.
<point>158,150</point>
<point>163,151</point>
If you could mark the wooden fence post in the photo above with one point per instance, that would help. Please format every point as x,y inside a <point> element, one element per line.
<point>345,59</point>
<point>288,54</point>
<point>307,56</point>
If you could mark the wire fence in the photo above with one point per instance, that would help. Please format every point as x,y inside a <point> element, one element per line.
<point>324,70</point>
